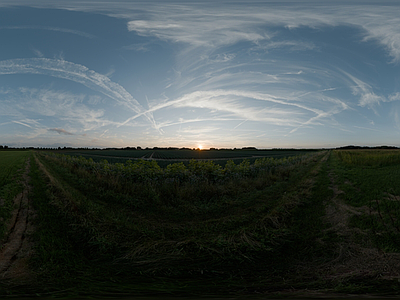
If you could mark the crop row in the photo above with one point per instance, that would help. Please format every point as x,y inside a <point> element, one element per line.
<point>194,171</point>
<point>369,157</point>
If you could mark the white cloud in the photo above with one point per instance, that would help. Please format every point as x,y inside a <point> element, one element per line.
<point>248,106</point>
<point>22,123</point>
<point>394,97</point>
<point>231,85</point>
<point>396,117</point>
<point>223,23</point>
<point>370,99</point>
<point>197,26</point>
<point>227,24</point>
<point>367,96</point>
<point>64,30</point>
<point>38,53</point>
<point>71,71</point>
<point>291,45</point>
<point>34,105</point>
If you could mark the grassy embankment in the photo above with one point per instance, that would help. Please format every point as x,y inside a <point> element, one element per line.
<point>99,233</point>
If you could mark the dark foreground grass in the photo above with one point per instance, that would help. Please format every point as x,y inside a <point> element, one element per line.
<point>240,241</point>
<point>65,262</point>
<point>266,234</point>
<point>11,169</point>
<point>371,180</point>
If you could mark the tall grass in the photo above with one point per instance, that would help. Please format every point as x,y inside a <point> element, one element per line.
<point>183,220</point>
<point>11,169</point>
<point>370,157</point>
<point>144,183</point>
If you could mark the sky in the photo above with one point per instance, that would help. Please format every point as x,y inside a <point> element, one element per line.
<point>222,74</point>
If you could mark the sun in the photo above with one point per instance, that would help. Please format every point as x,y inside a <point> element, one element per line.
<point>200,147</point>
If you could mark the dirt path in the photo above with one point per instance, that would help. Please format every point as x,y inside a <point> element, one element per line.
<point>16,249</point>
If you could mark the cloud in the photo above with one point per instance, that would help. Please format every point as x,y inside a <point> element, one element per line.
<point>367,96</point>
<point>228,24</point>
<point>34,108</point>
<point>61,131</point>
<point>22,123</point>
<point>61,105</point>
<point>394,97</point>
<point>291,45</point>
<point>74,72</point>
<point>38,53</point>
<point>249,106</point>
<point>396,117</point>
<point>141,47</point>
<point>370,99</point>
<point>225,64</point>
<point>77,73</point>
<point>64,30</point>
<point>177,23</point>
<point>225,23</point>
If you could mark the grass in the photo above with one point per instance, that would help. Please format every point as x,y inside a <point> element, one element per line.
<point>223,236</point>
<point>166,157</point>
<point>11,169</point>
<point>373,182</point>
<point>374,158</point>
<point>102,230</point>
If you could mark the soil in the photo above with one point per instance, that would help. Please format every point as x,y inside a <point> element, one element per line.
<point>16,248</point>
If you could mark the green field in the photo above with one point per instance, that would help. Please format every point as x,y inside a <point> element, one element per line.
<point>165,157</point>
<point>11,165</point>
<point>324,221</point>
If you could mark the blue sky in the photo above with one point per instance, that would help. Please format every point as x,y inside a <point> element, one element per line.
<point>213,73</point>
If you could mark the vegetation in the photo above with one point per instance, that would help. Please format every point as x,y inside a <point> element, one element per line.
<point>373,184</point>
<point>325,220</point>
<point>375,158</point>
<point>11,167</point>
<point>165,157</point>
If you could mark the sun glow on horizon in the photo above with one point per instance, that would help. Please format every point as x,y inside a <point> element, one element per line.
<point>200,147</point>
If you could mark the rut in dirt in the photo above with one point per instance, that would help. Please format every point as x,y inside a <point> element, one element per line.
<point>16,249</point>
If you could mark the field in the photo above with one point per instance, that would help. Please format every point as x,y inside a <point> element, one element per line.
<point>165,157</point>
<point>11,165</point>
<point>315,223</point>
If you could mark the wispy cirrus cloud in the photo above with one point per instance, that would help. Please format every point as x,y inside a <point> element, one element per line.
<point>198,25</point>
<point>64,106</point>
<point>204,35</point>
<point>367,96</point>
<point>394,97</point>
<point>221,23</point>
<point>251,106</point>
<point>38,53</point>
<point>237,64</point>
<point>74,72</point>
<point>228,24</point>
<point>289,44</point>
<point>48,28</point>
<point>22,123</point>
<point>77,73</point>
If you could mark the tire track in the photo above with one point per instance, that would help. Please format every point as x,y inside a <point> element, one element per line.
<point>16,249</point>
